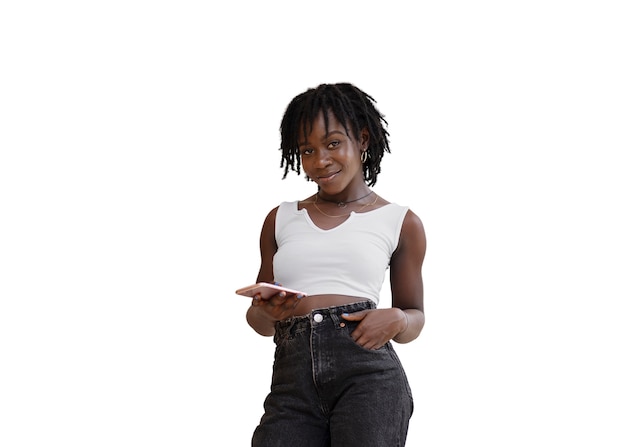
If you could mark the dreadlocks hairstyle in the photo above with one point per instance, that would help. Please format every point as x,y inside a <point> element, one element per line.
<point>353,108</point>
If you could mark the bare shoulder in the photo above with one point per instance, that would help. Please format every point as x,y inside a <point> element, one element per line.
<point>267,231</point>
<point>271,215</point>
<point>412,233</point>
<point>412,221</point>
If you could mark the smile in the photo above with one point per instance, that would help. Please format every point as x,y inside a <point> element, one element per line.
<point>326,178</point>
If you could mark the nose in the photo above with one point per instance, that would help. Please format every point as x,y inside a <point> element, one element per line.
<point>323,159</point>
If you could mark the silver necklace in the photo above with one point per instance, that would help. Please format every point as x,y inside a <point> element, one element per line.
<point>344,204</point>
<point>347,214</point>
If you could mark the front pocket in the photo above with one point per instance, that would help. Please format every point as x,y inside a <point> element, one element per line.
<point>346,332</point>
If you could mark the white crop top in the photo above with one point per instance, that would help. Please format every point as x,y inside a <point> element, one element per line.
<point>350,259</point>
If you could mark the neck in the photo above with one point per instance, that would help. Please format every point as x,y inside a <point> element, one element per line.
<point>343,203</point>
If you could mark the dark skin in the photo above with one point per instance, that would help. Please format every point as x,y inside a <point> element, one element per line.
<point>331,157</point>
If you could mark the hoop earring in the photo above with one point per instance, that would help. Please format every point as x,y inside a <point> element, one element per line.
<point>364,156</point>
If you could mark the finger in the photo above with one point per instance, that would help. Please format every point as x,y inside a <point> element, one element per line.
<point>279,298</point>
<point>356,316</point>
<point>368,344</point>
<point>294,300</point>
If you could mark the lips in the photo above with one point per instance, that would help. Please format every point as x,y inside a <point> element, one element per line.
<point>327,177</point>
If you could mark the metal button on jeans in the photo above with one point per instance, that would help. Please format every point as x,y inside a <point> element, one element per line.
<point>318,317</point>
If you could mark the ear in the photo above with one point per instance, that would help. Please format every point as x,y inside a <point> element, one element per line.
<point>364,139</point>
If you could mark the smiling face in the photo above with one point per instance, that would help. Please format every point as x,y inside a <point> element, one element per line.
<point>331,156</point>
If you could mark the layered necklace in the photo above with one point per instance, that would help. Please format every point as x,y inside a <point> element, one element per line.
<point>344,204</point>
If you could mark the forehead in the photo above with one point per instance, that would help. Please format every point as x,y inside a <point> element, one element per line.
<point>323,122</point>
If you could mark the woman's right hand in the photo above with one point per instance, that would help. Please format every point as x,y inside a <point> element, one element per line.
<point>279,306</point>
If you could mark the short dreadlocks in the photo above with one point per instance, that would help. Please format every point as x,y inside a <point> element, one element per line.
<point>353,108</point>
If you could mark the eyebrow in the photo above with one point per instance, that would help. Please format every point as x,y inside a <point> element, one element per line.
<point>328,134</point>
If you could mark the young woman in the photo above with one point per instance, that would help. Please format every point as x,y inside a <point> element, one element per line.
<point>337,379</point>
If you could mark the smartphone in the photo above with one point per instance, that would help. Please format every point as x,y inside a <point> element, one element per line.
<point>266,290</point>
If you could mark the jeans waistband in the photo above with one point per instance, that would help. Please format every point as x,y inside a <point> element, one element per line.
<point>294,323</point>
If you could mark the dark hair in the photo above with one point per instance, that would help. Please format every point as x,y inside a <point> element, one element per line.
<point>352,107</point>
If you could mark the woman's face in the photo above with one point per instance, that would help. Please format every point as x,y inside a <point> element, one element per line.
<point>330,156</point>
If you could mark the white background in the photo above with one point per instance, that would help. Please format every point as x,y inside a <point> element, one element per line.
<point>139,158</point>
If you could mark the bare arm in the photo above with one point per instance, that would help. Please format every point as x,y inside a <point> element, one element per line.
<point>407,290</point>
<point>264,313</point>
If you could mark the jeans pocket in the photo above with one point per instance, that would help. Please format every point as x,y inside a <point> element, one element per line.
<point>347,333</point>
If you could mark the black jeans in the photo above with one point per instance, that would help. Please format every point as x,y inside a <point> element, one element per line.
<point>329,391</point>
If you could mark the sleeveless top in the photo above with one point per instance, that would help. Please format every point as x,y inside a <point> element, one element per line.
<point>350,259</point>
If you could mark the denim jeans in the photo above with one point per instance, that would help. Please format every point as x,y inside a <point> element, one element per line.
<point>329,391</point>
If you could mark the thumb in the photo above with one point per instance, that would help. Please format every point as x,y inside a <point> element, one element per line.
<point>355,316</point>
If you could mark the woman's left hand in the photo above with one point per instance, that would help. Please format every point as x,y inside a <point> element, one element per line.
<point>377,326</point>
